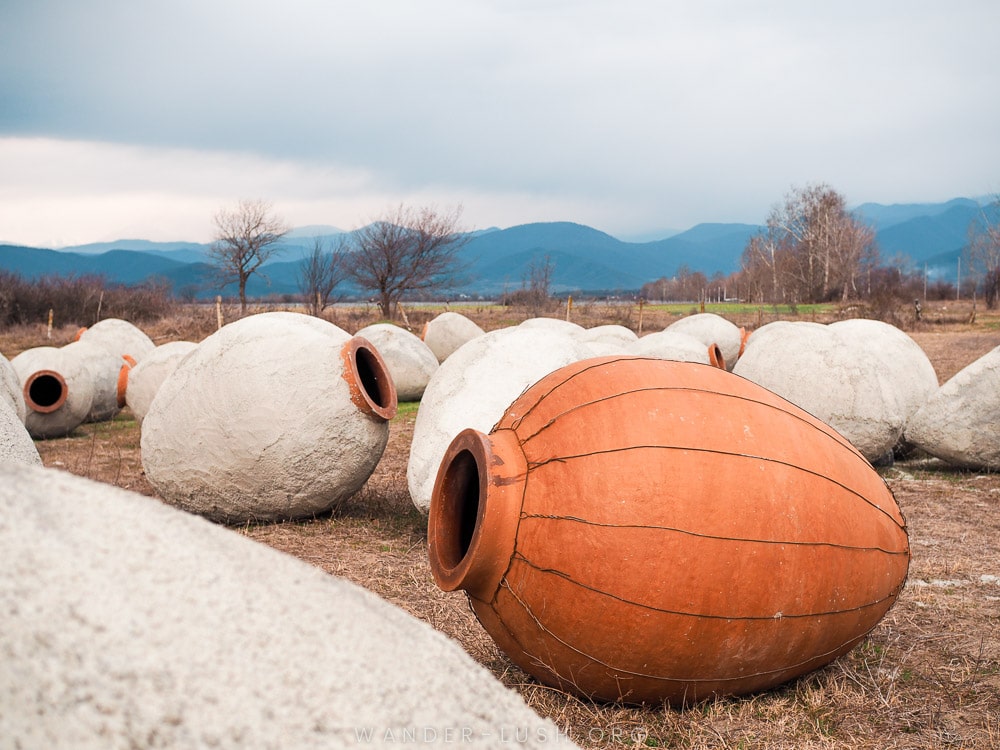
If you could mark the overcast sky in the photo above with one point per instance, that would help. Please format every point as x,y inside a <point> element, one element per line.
<point>141,119</point>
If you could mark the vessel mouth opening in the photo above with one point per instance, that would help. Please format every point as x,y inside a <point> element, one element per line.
<point>475,511</point>
<point>372,389</point>
<point>715,357</point>
<point>459,515</point>
<point>45,391</point>
<point>369,372</point>
<point>122,386</point>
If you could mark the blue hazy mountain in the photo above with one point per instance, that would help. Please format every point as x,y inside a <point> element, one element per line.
<point>927,236</point>
<point>493,260</point>
<point>882,217</point>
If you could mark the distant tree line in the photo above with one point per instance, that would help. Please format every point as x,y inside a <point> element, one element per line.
<point>984,251</point>
<point>79,300</point>
<point>812,249</point>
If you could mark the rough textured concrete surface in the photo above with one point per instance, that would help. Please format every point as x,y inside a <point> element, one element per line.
<point>258,423</point>
<point>710,328</point>
<point>104,368</point>
<point>609,332</point>
<point>120,336</point>
<point>10,388</point>
<point>411,362</point>
<point>554,324</point>
<point>473,388</point>
<point>145,379</point>
<point>608,339</point>
<point>16,444</point>
<point>832,374</point>
<point>679,347</point>
<point>960,423</point>
<point>53,376</point>
<point>125,624</point>
<point>447,332</point>
<point>903,362</point>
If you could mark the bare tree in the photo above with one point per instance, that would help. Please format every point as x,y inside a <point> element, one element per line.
<point>760,267</point>
<point>321,272</point>
<point>406,250</point>
<point>536,284</point>
<point>245,237</point>
<point>811,249</point>
<point>984,250</point>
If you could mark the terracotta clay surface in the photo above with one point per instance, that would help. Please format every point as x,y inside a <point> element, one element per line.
<point>645,530</point>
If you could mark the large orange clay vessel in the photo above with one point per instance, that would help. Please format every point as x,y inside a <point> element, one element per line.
<point>644,530</point>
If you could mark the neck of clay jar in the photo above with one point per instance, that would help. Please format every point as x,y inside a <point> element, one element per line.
<point>475,510</point>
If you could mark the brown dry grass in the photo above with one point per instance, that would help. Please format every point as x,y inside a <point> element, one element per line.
<point>928,676</point>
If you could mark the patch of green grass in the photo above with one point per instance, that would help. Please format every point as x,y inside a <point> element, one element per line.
<point>406,408</point>
<point>742,308</point>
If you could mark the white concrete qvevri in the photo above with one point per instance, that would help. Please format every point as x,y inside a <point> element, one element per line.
<point>120,336</point>
<point>960,423</point>
<point>446,332</point>
<point>611,333</point>
<point>10,388</point>
<point>473,388</point>
<point>275,416</point>
<point>555,324</point>
<point>58,390</point>
<point>410,361</point>
<point>672,345</point>
<point>16,444</point>
<point>105,371</point>
<point>710,328</point>
<point>827,372</point>
<point>608,340</point>
<point>903,363</point>
<point>145,379</point>
<point>129,624</point>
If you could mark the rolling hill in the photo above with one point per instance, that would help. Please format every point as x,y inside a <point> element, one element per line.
<point>493,260</point>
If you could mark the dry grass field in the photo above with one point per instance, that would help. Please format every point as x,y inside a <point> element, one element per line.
<point>928,676</point>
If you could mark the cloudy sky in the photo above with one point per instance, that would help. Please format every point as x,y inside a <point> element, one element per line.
<point>125,119</point>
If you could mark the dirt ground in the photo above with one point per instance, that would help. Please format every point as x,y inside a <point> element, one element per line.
<point>928,676</point>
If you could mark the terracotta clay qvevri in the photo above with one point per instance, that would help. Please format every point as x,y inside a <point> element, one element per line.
<point>644,530</point>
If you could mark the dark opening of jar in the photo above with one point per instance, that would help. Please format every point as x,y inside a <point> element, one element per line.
<point>45,391</point>
<point>367,375</point>
<point>456,523</point>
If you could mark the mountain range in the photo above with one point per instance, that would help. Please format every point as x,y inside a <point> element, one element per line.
<point>929,236</point>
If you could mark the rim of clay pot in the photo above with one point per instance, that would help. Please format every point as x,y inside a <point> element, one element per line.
<point>367,376</point>
<point>715,357</point>
<point>45,391</point>
<point>475,511</point>
<point>123,373</point>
